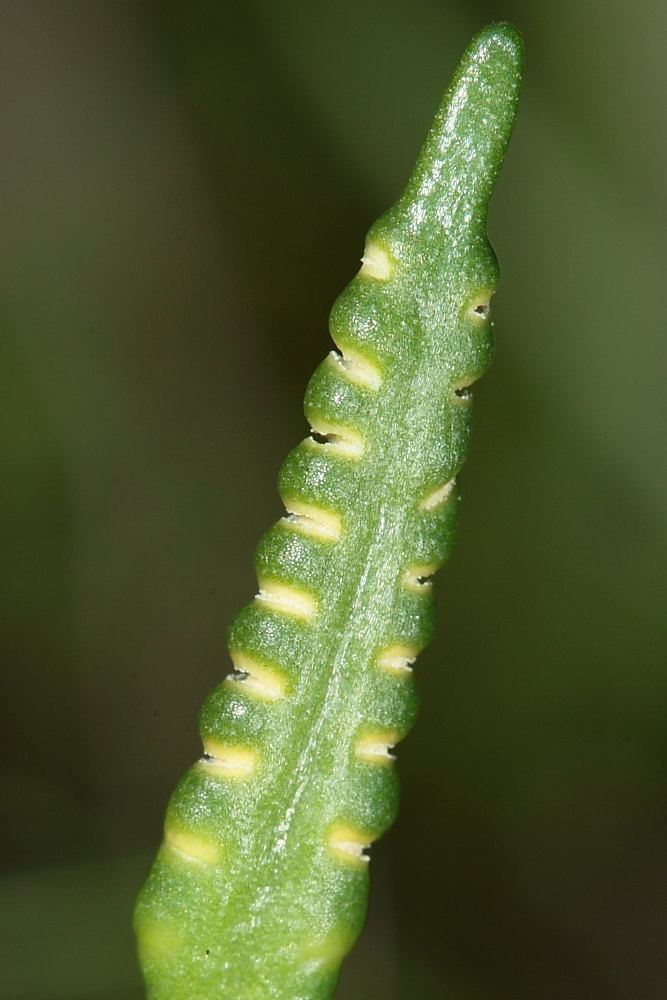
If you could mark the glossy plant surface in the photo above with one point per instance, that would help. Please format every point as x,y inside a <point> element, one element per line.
<point>260,886</point>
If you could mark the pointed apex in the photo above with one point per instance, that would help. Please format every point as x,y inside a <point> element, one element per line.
<point>460,160</point>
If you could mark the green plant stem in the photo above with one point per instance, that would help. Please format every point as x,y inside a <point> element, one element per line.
<point>260,886</point>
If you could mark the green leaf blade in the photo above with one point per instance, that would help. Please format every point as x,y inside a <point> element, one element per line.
<point>260,887</point>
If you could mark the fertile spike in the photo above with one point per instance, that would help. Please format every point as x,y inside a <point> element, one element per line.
<point>260,888</point>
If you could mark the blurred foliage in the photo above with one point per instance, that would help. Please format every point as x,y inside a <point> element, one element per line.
<point>184,190</point>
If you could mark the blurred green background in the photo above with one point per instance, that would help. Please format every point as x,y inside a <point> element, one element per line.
<point>184,189</point>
